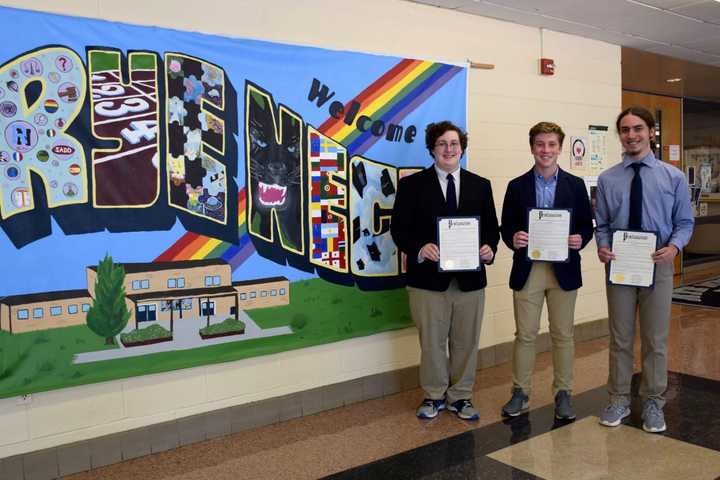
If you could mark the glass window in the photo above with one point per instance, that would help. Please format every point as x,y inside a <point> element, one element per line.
<point>136,285</point>
<point>263,293</point>
<point>145,284</point>
<point>273,293</point>
<point>37,312</point>
<point>216,280</point>
<point>187,303</point>
<point>243,296</point>
<point>55,311</point>
<point>85,307</point>
<point>253,295</point>
<point>172,283</point>
<point>208,281</point>
<point>22,314</point>
<point>72,309</point>
<point>181,282</point>
<point>282,291</point>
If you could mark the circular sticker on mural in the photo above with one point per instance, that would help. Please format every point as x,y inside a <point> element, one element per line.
<point>68,92</point>
<point>12,172</point>
<point>8,109</point>
<point>32,67</point>
<point>17,157</point>
<point>43,156</point>
<point>51,132</point>
<point>63,63</point>
<point>40,119</point>
<point>60,122</point>
<point>4,157</point>
<point>12,85</point>
<point>53,184</point>
<point>74,169</point>
<point>20,197</point>
<point>70,189</point>
<point>51,105</point>
<point>14,73</point>
<point>21,136</point>
<point>54,77</point>
<point>55,163</point>
<point>63,150</point>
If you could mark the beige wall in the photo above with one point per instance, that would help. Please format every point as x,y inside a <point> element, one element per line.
<point>502,104</point>
<point>261,301</point>
<point>31,324</point>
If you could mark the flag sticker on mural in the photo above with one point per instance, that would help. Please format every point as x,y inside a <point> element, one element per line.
<point>165,191</point>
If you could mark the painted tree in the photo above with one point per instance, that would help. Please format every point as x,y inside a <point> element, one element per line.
<point>108,314</point>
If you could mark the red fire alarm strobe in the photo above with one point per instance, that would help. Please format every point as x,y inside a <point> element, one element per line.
<point>547,66</point>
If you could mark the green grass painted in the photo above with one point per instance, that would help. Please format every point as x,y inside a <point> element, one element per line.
<point>41,361</point>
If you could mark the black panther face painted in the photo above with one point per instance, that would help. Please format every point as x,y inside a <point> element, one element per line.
<point>275,171</point>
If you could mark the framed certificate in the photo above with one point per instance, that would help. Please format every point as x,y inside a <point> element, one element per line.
<point>548,231</point>
<point>633,264</point>
<point>459,244</point>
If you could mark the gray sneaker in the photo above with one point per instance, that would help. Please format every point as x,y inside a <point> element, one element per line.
<point>519,403</point>
<point>653,417</point>
<point>464,409</point>
<point>430,408</point>
<point>613,414</point>
<point>563,406</point>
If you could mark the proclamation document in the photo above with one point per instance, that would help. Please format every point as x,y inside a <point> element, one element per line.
<point>459,243</point>
<point>633,264</point>
<point>548,231</point>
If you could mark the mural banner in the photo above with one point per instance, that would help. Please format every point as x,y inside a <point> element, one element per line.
<point>172,199</point>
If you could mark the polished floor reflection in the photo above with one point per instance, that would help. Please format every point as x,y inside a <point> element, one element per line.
<point>382,439</point>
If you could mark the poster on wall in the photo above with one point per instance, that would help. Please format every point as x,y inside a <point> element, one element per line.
<point>598,146</point>
<point>578,149</point>
<point>172,199</point>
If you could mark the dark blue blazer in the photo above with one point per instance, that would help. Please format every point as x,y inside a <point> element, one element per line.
<point>418,203</point>
<point>571,193</point>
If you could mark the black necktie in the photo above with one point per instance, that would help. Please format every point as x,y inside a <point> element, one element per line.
<point>635,218</point>
<point>450,195</point>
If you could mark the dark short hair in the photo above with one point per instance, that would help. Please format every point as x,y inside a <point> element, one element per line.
<point>436,130</point>
<point>644,114</point>
<point>546,127</point>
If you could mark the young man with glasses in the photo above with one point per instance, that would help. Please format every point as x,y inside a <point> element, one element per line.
<point>533,283</point>
<point>447,307</point>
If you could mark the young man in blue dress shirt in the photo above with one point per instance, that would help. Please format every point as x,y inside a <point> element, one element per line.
<point>662,205</point>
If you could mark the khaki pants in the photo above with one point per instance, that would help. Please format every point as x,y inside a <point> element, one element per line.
<point>528,304</point>
<point>453,317</point>
<point>653,306</point>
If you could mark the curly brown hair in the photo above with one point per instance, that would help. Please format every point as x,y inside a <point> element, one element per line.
<point>436,130</point>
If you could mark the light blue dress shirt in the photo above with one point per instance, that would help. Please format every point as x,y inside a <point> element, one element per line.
<point>665,204</point>
<point>545,190</point>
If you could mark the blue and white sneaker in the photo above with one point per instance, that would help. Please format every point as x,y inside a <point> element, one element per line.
<point>464,409</point>
<point>613,414</point>
<point>653,417</point>
<point>430,408</point>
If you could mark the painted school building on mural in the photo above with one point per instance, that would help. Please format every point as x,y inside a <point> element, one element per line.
<point>159,291</point>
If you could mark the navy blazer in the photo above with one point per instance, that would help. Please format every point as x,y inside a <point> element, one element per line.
<point>418,204</point>
<point>570,192</point>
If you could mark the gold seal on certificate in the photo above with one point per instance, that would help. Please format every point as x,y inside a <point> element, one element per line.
<point>633,264</point>
<point>459,243</point>
<point>548,231</point>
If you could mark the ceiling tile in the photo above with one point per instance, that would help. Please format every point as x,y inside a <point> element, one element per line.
<point>709,11</point>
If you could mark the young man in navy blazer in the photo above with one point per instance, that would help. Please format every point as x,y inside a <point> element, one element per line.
<point>445,306</point>
<point>544,186</point>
